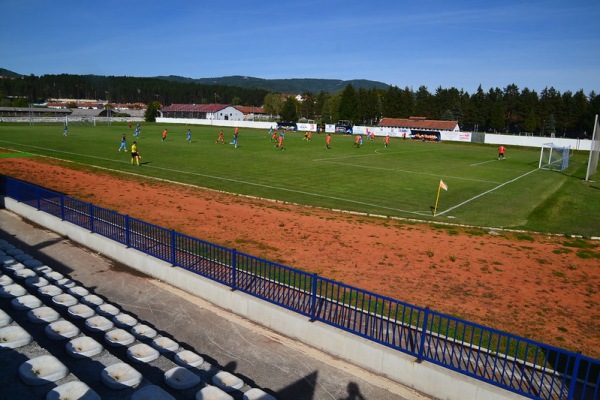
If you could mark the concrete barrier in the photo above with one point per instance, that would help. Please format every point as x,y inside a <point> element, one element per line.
<point>425,377</point>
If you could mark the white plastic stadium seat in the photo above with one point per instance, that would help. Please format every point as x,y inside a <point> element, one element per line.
<point>181,378</point>
<point>227,381</point>
<point>60,330</point>
<point>50,290</point>
<point>43,315</point>
<point>5,319</point>
<point>65,300</point>
<point>165,345</point>
<point>142,353</point>
<point>83,347</point>
<point>42,370</point>
<point>13,336</point>
<point>24,273</point>
<point>119,337</point>
<point>26,302</point>
<point>107,310</point>
<point>81,311</point>
<point>92,300</point>
<point>36,282</point>
<point>78,291</point>
<point>99,324</point>
<point>74,390</point>
<point>12,290</point>
<point>123,320</point>
<point>120,376</point>
<point>5,280</point>
<point>212,393</point>
<point>257,394</point>
<point>143,332</point>
<point>188,359</point>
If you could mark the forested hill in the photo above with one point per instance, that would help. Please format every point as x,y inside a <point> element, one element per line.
<point>292,85</point>
<point>10,74</point>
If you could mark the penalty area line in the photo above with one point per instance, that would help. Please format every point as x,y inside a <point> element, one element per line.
<point>484,162</point>
<point>486,192</point>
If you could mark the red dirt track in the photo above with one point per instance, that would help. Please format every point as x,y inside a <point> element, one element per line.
<point>530,285</point>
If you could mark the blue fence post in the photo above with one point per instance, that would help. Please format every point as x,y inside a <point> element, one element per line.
<point>18,190</point>
<point>233,268</point>
<point>91,217</point>
<point>62,207</point>
<point>313,297</point>
<point>574,376</point>
<point>127,237</point>
<point>173,248</point>
<point>421,353</point>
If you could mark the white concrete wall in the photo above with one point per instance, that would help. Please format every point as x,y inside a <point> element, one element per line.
<point>425,377</point>
<point>219,122</point>
<point>536,141</point>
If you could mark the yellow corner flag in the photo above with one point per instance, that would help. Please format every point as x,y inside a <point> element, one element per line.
<point>441,186</point>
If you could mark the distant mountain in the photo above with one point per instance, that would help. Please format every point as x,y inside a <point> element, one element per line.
<point>292,85</point>
<point>10,74</point>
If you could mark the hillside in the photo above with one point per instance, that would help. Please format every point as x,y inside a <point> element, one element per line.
<point>10,74</point>
<point>292,85</point>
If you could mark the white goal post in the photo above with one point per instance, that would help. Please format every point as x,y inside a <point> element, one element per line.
<point>555,158</point>
<point>592,167</point>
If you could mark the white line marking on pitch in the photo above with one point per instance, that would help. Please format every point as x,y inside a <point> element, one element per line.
<point>484,162</point>
<point>410,172</point>
<point>486,192</point>
<point>232,180</point>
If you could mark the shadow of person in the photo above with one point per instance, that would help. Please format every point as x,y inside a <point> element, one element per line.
<point>353,392</point>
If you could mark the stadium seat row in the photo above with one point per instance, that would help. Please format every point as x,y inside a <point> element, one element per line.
<point>97,330</point>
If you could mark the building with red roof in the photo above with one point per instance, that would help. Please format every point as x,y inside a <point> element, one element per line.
<point>420,123</point>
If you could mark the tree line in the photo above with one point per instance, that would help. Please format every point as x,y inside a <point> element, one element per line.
<point>506,110</point>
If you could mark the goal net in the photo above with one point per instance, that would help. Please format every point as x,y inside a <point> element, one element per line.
<point>594,151</point>
<point>555,158</point>
<point>80,121</point>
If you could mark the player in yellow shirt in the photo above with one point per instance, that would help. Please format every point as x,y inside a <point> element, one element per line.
<point>134,154</point>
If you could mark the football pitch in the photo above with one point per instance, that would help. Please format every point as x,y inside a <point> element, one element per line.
<point>401,180</point>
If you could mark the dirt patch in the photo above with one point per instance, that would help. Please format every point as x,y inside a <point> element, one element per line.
<point>542,287</point>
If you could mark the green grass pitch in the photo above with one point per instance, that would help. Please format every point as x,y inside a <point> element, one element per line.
<point>401,180</point>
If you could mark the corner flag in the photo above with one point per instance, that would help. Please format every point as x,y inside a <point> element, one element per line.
<point>441,186</point>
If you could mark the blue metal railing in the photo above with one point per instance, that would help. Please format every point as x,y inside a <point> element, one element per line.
<point>517,364</point>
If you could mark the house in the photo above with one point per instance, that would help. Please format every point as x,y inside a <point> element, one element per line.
<point>420,128</point>
<point>252,113</point>
<point>420,123</point>
<point>223,112</point>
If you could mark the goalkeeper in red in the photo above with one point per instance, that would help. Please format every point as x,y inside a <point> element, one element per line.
<point>501,150</point>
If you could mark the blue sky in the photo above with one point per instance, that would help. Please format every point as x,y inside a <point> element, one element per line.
<point>434,43</point>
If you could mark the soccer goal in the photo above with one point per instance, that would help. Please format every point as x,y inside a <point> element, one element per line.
<point>594,151</point>
<point>555,158</point>
<point>80,121</point>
